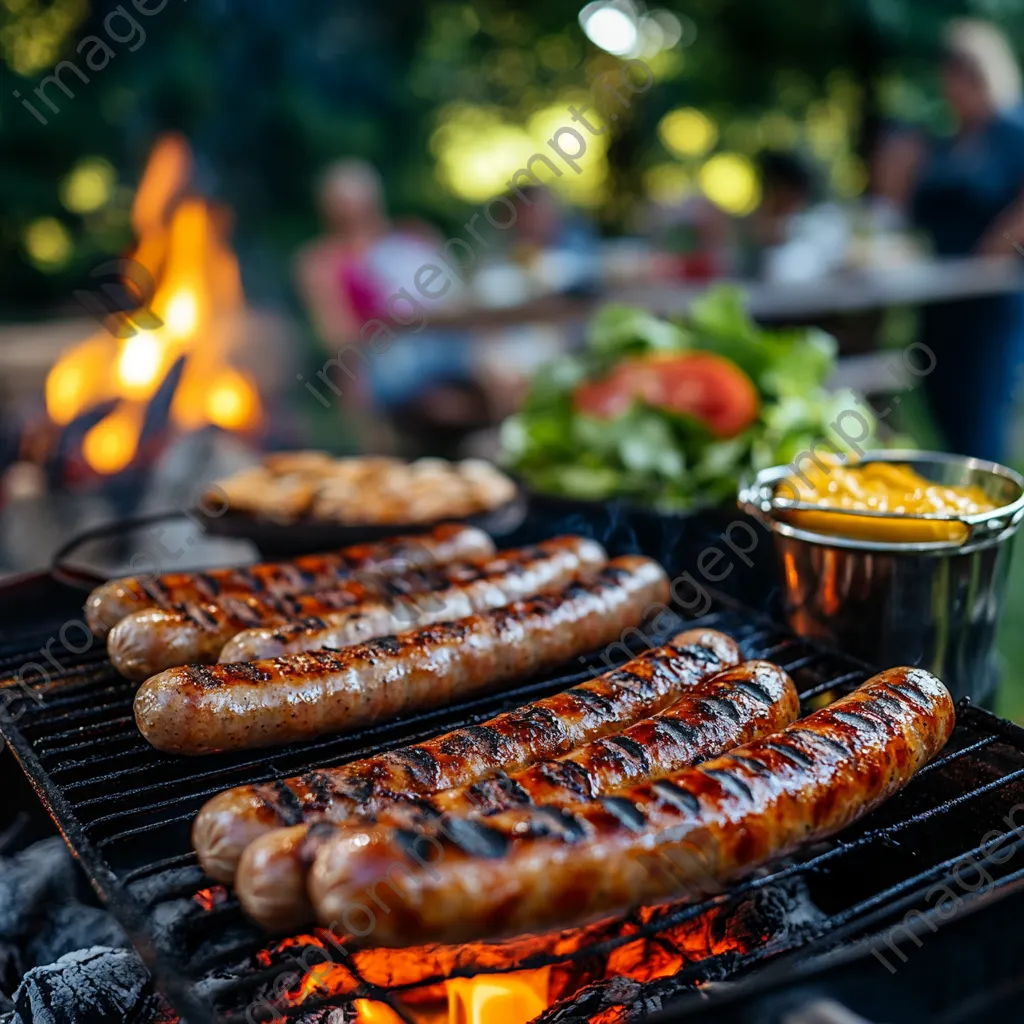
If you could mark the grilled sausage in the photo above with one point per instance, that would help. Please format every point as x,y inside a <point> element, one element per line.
<point>681,837</point>
<point>200,709</point>
<point>113,600</point>
<point>461,589</point>
<point>510,741</point>
<point>734,707</point>
<point>146,642</point>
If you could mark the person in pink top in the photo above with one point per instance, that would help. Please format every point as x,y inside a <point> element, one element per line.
<point>347,277</point>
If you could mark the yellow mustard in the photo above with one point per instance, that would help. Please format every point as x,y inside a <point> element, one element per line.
<point>879,487</point>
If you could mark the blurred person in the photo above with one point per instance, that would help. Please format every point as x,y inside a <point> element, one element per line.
<point>549,251</point>
<point>557,247</point>
<point>350,276</point>
<point>788,187</point>
<point>968,196</point>
<point>331,271</point>
<point>795,233</point>
<point>893,167</point>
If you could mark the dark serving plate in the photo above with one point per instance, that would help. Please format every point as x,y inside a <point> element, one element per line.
<point>285,539</point>
<point>275,539</point>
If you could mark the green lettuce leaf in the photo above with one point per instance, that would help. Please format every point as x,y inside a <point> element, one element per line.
<point>667,459</point>
<point>619,331</point>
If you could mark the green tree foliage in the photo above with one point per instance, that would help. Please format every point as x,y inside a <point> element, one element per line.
<point>268,92</point>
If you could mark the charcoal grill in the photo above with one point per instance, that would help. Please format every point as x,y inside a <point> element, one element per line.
<point>125,810</point>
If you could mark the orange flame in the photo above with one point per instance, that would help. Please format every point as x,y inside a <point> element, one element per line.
<point>199,303</point>
<point>422,980</point>
<point>369,1011</point>
<point>505,998</point>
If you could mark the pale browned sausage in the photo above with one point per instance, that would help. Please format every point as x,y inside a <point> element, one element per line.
<point>200,709</point>
<point>149,641</point>
<point>546,728</point>
<point>109,603</point>
<point>460,590</point>
<point>733,707</point>
<point>681,837</point>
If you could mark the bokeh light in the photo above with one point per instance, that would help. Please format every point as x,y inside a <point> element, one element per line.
<point>35,32</point>
<point>828,129</point>
<point>848,176</point>
<point>611,27</point>
<point>558,52</point>
<point>47,243</point>
<point>778,130</point>
<point>731,182</point>
<point>687,132</point>
<point>89,185</point>
<point>671,27</point>
<point>743,134</point>
<point>586,188</point>
<point>479,149</point>
<point>667,184</point>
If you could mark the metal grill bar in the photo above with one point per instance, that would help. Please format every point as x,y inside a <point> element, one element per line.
<point>66,746</point>
<point>679,915</point>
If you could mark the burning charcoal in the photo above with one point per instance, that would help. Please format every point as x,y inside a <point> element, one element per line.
<point>31,883</point>
<point>631,1001</point>
<point>91,985</point>
<point>785,912</point>
<point>167,884</point>
<point>330,1015</point>
<point>591,1000</point>
<point>74,926</point>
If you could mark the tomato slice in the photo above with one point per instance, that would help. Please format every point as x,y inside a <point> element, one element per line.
<point>705,386</point>
<point>603,399</point>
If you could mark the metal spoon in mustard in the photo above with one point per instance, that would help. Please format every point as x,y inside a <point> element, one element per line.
<point>879,487</point>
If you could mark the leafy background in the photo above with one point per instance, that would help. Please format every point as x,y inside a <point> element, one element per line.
<point>269,92</point>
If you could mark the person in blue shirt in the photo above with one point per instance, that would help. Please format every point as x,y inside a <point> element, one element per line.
<point>969,198</point>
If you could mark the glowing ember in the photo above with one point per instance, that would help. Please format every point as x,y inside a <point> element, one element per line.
<point>212,897</point>
<point>430,986</point>
<point>195,310</point>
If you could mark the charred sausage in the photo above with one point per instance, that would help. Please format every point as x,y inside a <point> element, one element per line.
<point>460,590</point>
<point>510,741</point>
<point>149,641</point>
<point>113,600</point>
<point>681,837</point>
<point>201,709</point>
<point>733,707</point>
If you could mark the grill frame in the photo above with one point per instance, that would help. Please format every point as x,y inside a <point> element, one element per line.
<point>176,975</point>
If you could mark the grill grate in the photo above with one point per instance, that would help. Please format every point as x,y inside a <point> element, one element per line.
<point>125,809</point>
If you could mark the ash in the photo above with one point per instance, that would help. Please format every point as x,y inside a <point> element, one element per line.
<point>63,959</point>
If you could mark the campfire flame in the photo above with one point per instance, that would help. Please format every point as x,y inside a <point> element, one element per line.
<point>195,311</point>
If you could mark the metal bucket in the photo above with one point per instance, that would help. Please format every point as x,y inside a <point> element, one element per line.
<point>934,604</point>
